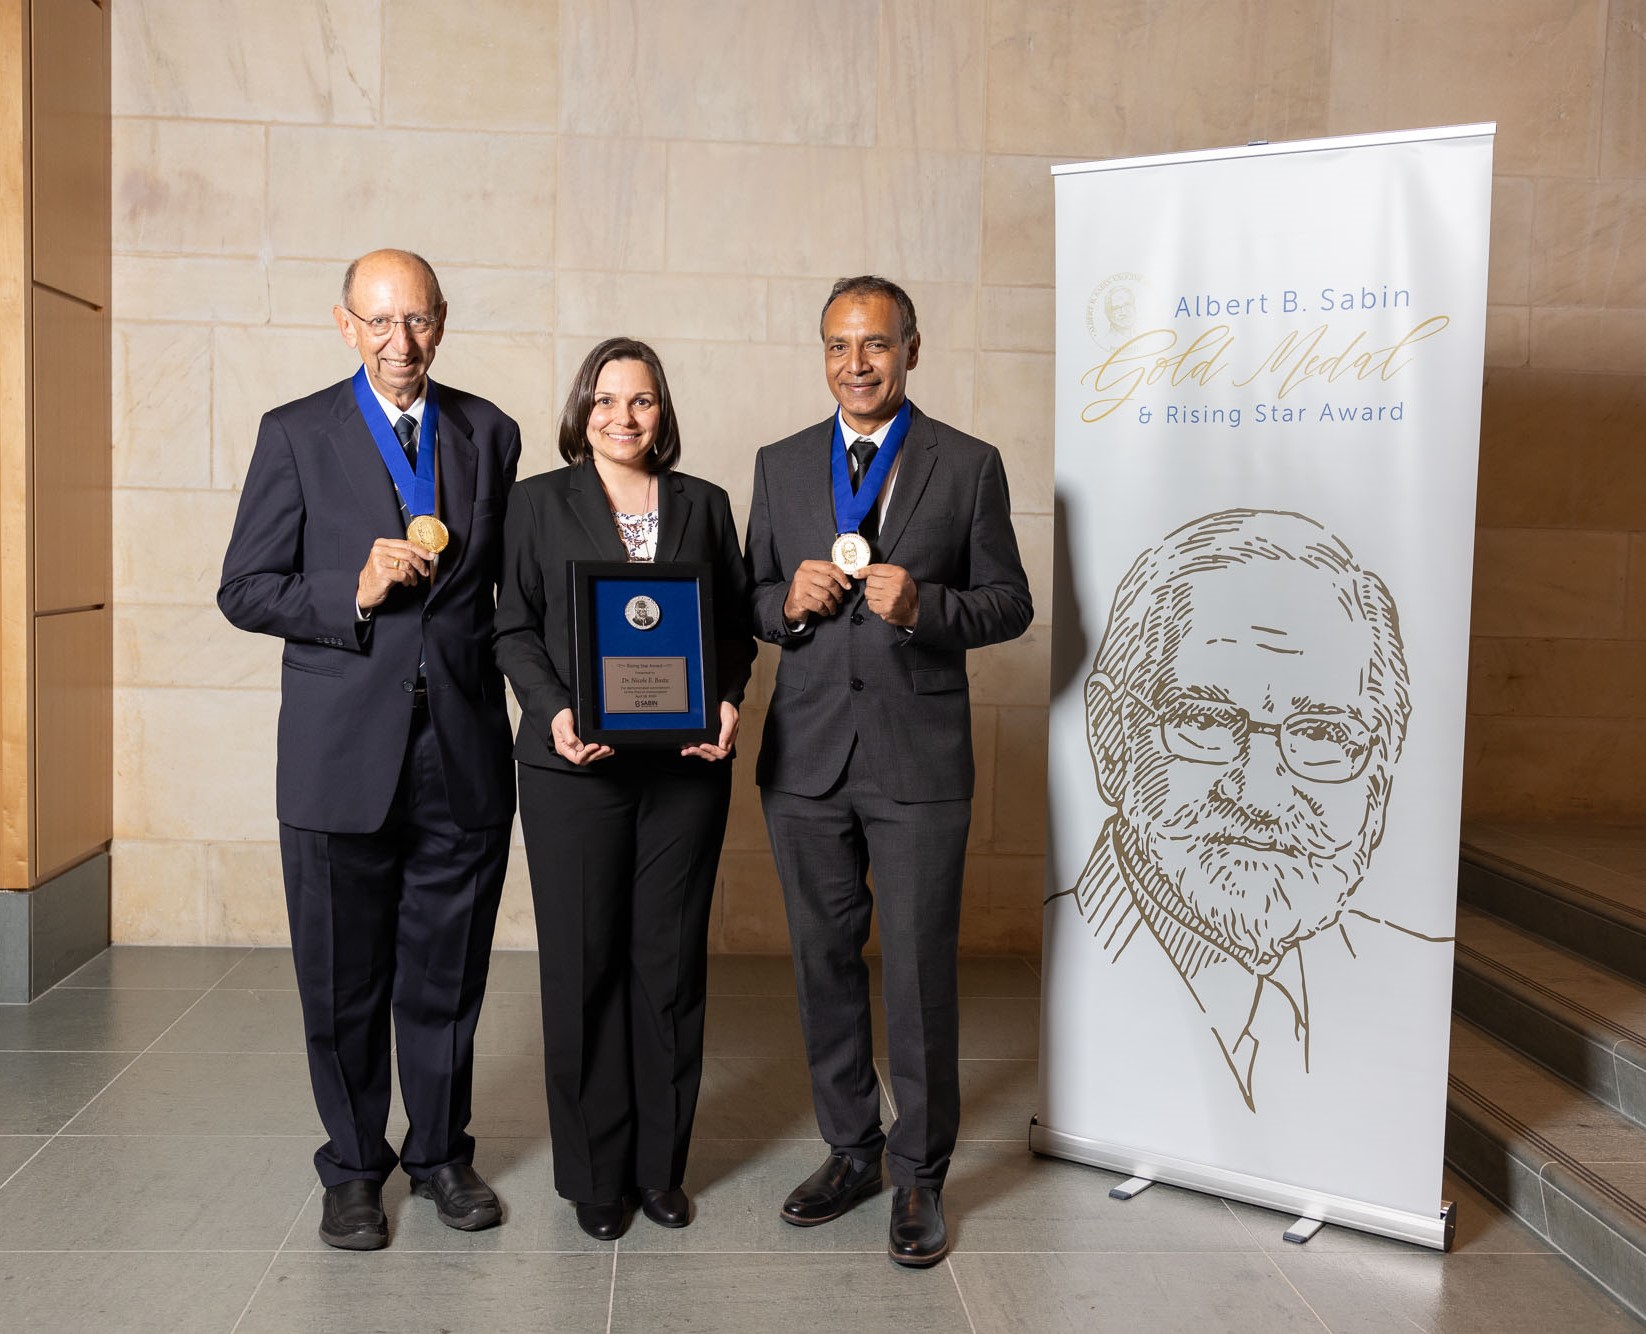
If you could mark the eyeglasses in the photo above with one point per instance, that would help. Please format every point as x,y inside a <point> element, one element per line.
<point>1322,747</point>
<point>416,325</point>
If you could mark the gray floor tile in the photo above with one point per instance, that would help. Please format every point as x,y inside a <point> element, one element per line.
<point>15,1150</point>
<point>756,1294</point>
<point>738,1186</point>
<point>519,1170</point>
<point>511,1022</point>
<point>509,1099</point>
<point>761,1098</point>
<point>999,976</point>
<point>209,1093</point>
<point>132,1293</point>
<point>751,975</point>
<point>1467,1294</point>
<point>753,1026</point>
<point>157,1193</point>
<point>88,1019</point>
<point>41,1090</point>
<point>1483,1228</point>
<point>1000,1197</point>
<point>1077,1294</point>
<point>234,1020</point>
<point>263,970</point>
<point>997,1098</point>
<point>164,966</point>
<point>513,971</point>
<point>393,1293</point>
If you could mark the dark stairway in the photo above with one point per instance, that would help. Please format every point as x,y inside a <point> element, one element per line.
<point>1546,1109</point>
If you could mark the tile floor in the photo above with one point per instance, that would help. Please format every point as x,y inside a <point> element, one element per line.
<point>156,1131</point>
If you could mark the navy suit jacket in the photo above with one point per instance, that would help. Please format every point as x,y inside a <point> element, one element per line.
<point>903,695</point>
<point>561,516</point>
<point>317,495</point>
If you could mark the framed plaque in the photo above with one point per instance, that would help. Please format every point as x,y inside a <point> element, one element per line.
<point>642,653</point>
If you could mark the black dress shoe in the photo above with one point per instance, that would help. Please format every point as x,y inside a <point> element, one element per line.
<point>831,1190</point>
<point>461,1199</point>
<point>352,1218</point>
<point>918,1236</point>
<point>666,1208</point>
<point>604,1220</point>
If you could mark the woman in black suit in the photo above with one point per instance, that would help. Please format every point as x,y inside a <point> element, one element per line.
<point>622,846</point>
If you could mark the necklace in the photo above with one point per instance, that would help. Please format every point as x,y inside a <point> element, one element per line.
<point>638,531</point>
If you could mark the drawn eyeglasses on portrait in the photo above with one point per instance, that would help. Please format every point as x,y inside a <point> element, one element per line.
<point>1319,746</point>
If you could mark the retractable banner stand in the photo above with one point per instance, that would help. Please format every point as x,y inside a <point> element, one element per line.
<point>1268,416</point>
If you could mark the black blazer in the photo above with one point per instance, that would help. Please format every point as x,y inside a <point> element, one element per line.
<point>317,495</point>
<point>902,694</point>
<point>560,516</point>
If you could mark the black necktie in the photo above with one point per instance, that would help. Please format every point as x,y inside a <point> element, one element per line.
<point>406,430</point>
<point>863,452</point>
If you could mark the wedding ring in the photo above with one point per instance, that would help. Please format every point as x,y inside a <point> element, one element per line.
<point>395,562</point>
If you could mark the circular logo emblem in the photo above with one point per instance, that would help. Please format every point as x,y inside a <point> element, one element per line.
<point>642,613</point>
<point>1117,309</point>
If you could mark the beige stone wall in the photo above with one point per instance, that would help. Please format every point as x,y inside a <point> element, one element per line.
<point>695,172</point>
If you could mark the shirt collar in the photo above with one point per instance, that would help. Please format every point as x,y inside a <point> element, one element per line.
<point>850,436</point>
<point>394,412</point>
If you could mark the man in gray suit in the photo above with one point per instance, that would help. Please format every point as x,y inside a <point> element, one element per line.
<point>881,548</point>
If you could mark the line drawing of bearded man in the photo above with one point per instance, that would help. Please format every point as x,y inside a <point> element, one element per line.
<point>1245,712</point>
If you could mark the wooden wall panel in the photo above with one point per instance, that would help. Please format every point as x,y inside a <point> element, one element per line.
<point>70,106</point>
<point>16,616</point>
<point>74,737</point>
<point>73,458</point>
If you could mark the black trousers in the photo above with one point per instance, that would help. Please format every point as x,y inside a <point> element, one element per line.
<point>824,847</point>
<point>398,921</point>
<point>623,861</point>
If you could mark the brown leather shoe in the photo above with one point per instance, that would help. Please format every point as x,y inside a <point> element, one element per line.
<point>461,1198</point>
<point>919,1238</point>
<point>831,1191</point>
<point>352,1218</point>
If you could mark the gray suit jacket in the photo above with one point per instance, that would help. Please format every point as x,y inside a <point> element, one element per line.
<point>903,695</point>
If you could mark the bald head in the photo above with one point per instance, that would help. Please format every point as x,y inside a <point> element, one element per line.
<point>393,259</point>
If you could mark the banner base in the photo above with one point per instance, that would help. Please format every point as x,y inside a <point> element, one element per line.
<point>1435,1231</point>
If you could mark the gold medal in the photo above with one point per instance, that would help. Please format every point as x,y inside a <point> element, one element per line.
<point>429,533</point>
<point>851,553</point>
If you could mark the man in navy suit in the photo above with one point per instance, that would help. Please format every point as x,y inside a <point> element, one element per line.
<point>866,757</point>
<point>393,784</point>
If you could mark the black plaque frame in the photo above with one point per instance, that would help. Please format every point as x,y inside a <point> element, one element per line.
<point>592,634</point>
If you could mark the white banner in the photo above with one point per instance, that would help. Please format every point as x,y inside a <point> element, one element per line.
<point>1268,416</point>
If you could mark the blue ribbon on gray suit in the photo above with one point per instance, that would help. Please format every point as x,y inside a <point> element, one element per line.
<point>850,509</point>
<point>416,489</point>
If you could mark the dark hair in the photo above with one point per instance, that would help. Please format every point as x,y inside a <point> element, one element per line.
<point>413,256</point>
<point>868,284</point>
<point>574,417</point>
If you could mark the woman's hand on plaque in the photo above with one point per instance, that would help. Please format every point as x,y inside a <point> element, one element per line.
<point>728,736</point>
<point>568,747</point>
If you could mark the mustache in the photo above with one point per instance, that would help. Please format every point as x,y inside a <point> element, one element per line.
<point>1222,823</point>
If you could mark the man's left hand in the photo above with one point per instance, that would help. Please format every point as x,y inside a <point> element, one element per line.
<point>891,594</point>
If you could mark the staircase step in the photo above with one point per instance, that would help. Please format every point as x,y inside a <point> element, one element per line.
<point>1584,1022</point>
<point>1571,1168</point>
<point>1586,918</point>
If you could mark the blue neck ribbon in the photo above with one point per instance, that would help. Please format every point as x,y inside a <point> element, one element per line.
<point>850,509</point>
<point>416,489</point>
